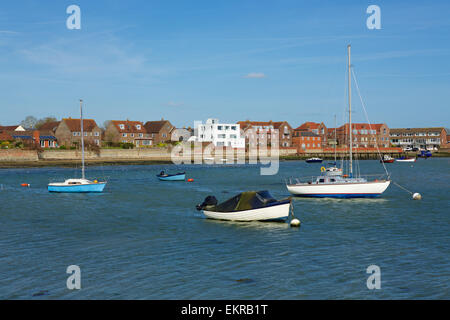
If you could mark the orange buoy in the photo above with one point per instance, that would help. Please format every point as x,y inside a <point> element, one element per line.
<point>190,180</point>
<point>25,184</point>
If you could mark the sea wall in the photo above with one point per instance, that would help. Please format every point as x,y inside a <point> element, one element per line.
<point>18,155</point>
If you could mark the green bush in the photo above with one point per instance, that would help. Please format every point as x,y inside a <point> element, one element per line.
<point>127,145</point>
<point>62,147</point>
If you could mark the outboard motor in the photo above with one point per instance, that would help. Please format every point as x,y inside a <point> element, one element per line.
<point>209,201</point>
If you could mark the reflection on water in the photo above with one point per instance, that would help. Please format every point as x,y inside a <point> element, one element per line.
<point>143,238</point>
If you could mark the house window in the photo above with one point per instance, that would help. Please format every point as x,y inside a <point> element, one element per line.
<point>97,142</point>
<point>132,135</point>
<point>96,134</point>
<point>164,135</point>
<point>74,134</point>
<point>219,127</point>
<point>121,126</point>
<point>42,143</point>
<point>138,126</point>
<point>141,135</point>
<point>85,134</point>
<point>124,134</point>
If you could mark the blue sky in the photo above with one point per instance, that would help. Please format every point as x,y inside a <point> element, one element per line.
<point>232,60</point>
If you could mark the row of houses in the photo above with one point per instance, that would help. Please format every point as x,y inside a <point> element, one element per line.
<point>309,136</point>
<point>67,132</point>
<point>313,136</point>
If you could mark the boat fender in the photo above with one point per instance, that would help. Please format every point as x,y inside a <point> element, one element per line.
<point>95,181</point>
<point>323,169</point>
<point>295,223</point>
<point>417,196</point>
<point>190,180</point>
<point>25,184</point>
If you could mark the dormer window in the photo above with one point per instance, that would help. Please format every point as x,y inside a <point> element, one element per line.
<point>121,126</point>
<point>138,126</point>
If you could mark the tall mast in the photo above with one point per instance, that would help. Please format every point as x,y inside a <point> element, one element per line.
<point>350,112</point>
<point>82,140</point>
<point>335,140</point>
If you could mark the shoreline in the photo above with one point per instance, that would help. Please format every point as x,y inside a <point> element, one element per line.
<point>117,162</point>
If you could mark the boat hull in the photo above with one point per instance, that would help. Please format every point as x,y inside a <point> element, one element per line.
<point>178,177</point>
<point>83,188</point>
<point>347,190</point>
<point>274,212</point>
<point>406,160</point>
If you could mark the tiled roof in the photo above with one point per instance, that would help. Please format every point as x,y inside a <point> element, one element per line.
<point>155,126</point>
<point>247,124</point>
<point>412,130</point>
<point>366,126</point>
<point>129,126</point>
<point>8,128</point>
<point>51,126</point>
<point>75,124</point>
<point>309,126</point>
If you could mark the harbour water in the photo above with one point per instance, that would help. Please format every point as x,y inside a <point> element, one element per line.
<point>143,239</point>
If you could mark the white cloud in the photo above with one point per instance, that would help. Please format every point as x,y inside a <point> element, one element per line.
<point>255,75</point>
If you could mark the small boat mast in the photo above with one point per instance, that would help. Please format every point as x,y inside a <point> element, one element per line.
<point>82,140</point>
<point>350,112</point>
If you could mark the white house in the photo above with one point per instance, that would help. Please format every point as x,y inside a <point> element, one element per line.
<point>220,134</point>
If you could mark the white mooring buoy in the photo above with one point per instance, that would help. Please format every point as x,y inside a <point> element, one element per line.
<point>295,223</point>
<point>417,196</point>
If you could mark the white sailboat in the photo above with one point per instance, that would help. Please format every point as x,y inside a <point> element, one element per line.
<point>341,186</point>
<point>78,185</point>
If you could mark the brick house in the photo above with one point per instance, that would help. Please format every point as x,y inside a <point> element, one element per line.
<point>127,132</point>
<point>4,136</point>
<point>19,134</point>
<point>252,128</point>
<point>317,128</point>
<point>306,141</point>
<point>27,137</point>
<point>47,137</point>
<point>159,131</point>
<point>68,132</point>
<point>364,136</point>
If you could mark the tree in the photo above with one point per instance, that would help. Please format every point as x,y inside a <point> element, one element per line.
<point>106,124</point>
<point>29,122</point>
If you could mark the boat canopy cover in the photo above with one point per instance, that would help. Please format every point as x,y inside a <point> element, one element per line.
<point>246,201</point>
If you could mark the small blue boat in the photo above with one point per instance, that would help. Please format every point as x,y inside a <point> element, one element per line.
<point>180,176</point>
<point>425,154</point>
